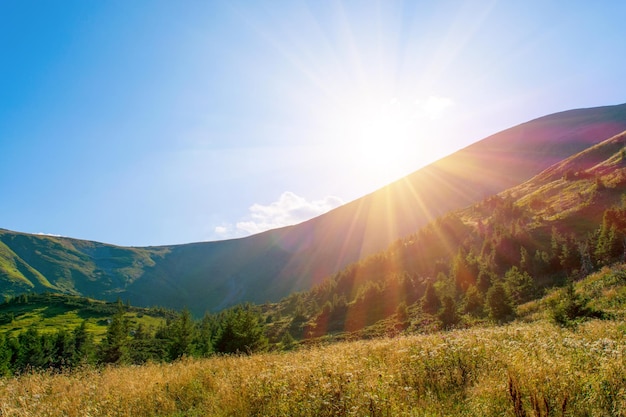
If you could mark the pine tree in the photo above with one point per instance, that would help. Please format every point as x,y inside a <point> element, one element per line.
<point>30,354</point>
<point>525,260</point>
<point>520,285</point>
<point>474,301</point>
<point>204,342</point>
<point>287,341</point>
<point>114,348</point>
<point>241,331</point>
<point>499,303</point>
<point>448,314</point>
<point>430,300</point>
<point>402,312</point>
<point>63,350</point>
<point>183,335</point>
<point>461,272</point>
<point>84,345</point>
<point>571,307</point>
<point>5,356</point>
<point>485,278</point>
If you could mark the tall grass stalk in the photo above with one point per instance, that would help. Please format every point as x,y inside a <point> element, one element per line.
<point>533,369</point>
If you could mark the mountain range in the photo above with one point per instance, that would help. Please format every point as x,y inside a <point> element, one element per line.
<point>211,276</point>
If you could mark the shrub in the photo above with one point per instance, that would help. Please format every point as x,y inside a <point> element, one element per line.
<point>571,308</point>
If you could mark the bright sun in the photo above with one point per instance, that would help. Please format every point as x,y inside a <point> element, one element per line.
<point>386,137</point>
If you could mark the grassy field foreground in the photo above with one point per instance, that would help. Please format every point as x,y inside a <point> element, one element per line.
<point>533,369</point>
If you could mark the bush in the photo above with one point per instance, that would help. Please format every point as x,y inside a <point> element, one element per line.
<point>571,308</point>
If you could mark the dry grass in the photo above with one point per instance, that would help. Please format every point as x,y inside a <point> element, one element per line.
<point>531,369</point>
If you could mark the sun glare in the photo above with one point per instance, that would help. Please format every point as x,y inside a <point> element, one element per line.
<point>379,134</point>
<point>389,137</point>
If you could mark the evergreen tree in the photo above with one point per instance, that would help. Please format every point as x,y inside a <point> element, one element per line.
<point>402,312</point>
<point>571,308</point>
<point>485,278</point>
<point>474,301</point>
<point>541,263</point>
<point>448,314</point>
<point>499,303</point>
<point>445,285</point>
<point>114,348</point>
<point>287,341</point>
<point>570,256</point>
<point>13,346</point>
<point>84,346</point>
<point>5,356</point>
<point>586,263</point>
<point>63,350</point>
<point>183,334</point>
<point>48,350</point>
<point>525,260</point>
<point>30,354</point>
<point>520,285</point>
<point>462,272</point>
<point>145,347</point>
<point>609,245</point>
<point>241,331</point>
<point>430,300</point>
<point>204,342</point>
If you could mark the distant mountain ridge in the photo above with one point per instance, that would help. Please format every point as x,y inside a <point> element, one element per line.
<point>273,264</point>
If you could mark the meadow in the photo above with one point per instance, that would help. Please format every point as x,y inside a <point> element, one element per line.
<point>520,369</point>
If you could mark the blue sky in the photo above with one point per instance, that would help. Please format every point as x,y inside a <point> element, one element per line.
<point>161,122</point>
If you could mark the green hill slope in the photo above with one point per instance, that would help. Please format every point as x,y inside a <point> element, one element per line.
<point>271,265</point>
<point>43,263</point>
<point>53,312</point>
<point>559,226</point>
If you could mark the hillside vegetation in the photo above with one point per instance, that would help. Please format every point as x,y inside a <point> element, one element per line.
<point>479,263</point>
<point>263,268</point>
<point>528,367</point>
<point>470,267</point>
<point>514,306</point>
<point>50,313</point>
<point>62,333</point>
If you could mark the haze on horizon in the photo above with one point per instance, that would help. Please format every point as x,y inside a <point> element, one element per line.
<point>150,123</point>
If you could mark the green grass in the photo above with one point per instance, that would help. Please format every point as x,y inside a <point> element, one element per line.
<point>9,269</point>
<point>49,313</point>
<point>530,367</point>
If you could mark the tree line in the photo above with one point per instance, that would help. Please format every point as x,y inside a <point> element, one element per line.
<point>451,271</point>
<point>237,330</point>
<point>454,269</point>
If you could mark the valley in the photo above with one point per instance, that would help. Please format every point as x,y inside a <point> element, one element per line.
<point>211,276</point>
<point>497,287</point>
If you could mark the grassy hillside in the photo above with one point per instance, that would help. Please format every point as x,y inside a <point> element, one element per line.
<point>561,351</point>
<point>567,221</point>
<point>50,313</point>
<point>558,226</point>
<point>528,367</point>
<point>43,263</point>
<point>266,267</point>
<point>490,166</point>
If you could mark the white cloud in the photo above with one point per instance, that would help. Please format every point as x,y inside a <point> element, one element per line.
<point>289,209</point>
<point>48,234</point>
